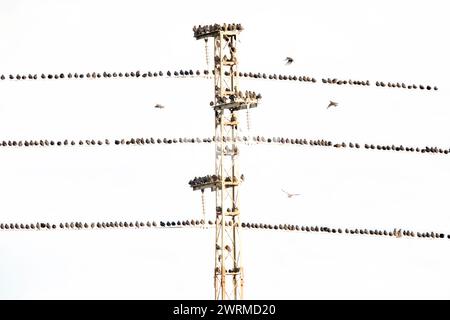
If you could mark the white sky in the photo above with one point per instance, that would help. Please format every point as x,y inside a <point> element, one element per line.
<point>403,41</point>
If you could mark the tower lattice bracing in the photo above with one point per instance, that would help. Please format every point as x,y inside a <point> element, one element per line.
<point>228,271</point>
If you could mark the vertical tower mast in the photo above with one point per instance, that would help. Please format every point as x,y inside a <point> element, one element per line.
<point>228,271</point>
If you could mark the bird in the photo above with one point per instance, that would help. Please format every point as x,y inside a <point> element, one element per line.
<point>397,233</point>
<point>289,60</point>
<point>290,195</point>
<point>332,104</point>
<point>158,106</point>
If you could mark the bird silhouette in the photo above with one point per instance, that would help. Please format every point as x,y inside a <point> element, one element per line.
<point>289,60</point>
<point>158,106</point>
<point>332,104</point>
<point>290,195</point>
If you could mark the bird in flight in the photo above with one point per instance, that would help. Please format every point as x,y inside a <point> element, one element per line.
<point>332,104</point>
<point>290,195</point>
<point>158,106</point>
<point>289,60</point>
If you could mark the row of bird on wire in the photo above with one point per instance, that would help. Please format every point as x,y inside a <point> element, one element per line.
<point>378,84</point>
<point>350,82</point>
<point>183,73</point>
<point>274,76</point>
<point>105,75</point>
<point>211,28</point>
<point>151,74</point>
<point>396,232</point>
<point>97,225</point>
<point>256,139</point>
<point>290,60</point>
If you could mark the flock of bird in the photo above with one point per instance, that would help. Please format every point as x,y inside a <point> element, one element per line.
<point>274,76</point>
<point>105,75</point>
<point>404,86</point>
<point>239,139</point>
<point>378,84</point>
<point>201,30</point>
<point>191,73</point>
<point>213,179</point>
<point>43,226</point>
<point>350,82</point>
<point>290,60</point>
<point>204,73</point>
<point>247,96</point>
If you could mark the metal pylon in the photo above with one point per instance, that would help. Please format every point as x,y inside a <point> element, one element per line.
<point>228,271</point>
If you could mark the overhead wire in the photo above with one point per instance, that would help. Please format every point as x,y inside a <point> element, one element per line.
<point>244,139</point>
<point>190,73</point>
<point>202,224</point>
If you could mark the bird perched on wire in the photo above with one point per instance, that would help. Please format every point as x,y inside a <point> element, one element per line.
<point>289,60</point>
<point>290,195</point>
<point>332,104</point>
<point>159,106</point>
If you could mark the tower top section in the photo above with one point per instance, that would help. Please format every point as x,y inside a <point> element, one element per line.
<point>213,30</point>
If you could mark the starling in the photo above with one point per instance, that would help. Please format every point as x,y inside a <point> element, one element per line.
<point>332,104</point>
<point>290,195</point>
<point>289,60</point>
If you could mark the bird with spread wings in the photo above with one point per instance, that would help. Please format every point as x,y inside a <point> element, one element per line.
<point>289,60</point>
<point>332,104</point>
<point>290,195</point>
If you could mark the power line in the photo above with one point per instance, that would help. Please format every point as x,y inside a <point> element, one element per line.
<point>200,224</point>
<point>258,140</point>
<point>206,73</point>
<point>105,75</point>
<point>378,84</point>
<point>228,271</point>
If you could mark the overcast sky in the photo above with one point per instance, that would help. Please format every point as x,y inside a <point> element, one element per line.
<point>405,41</point>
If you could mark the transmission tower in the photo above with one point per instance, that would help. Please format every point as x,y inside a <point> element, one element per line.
<point>228,100</point>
